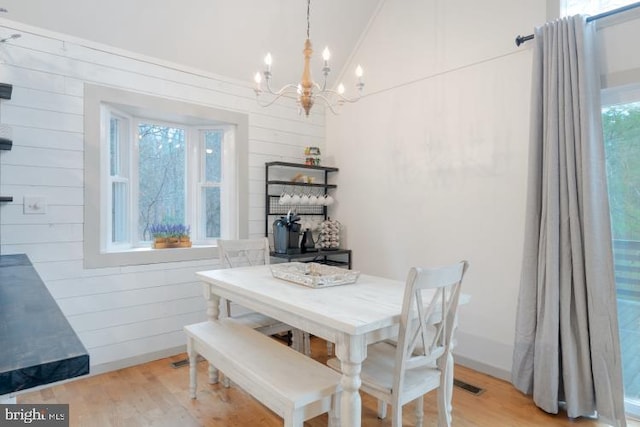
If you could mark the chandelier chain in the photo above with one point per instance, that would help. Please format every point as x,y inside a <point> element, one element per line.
<point>308,9</point>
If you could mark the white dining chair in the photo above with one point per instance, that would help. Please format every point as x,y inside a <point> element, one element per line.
<point>247,252</point>
<point>421,361</point>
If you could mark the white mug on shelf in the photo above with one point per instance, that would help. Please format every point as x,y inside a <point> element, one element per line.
<point>295,199</point>
<point>285,199</point>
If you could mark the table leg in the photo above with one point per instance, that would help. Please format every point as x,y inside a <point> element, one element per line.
<point>213,314</point>
<point>297,341</point>
<point>213,302</point>
<point>351,350</point>
<point>193,365</point>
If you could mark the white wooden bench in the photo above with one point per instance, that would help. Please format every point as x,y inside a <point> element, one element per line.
<point>292,385</point>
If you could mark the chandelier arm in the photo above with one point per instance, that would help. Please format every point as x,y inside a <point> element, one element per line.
<point>328,103</point>
<point>271,102</point>
<point>282,90</point>
<point>341,98</point>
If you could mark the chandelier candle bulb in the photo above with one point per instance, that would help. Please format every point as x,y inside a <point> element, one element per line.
<point>326,55</point>
<point>267,61</point>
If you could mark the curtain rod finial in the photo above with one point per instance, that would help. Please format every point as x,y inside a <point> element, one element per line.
<point>522,39</point>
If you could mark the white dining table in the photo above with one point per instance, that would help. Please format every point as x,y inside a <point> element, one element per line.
<point>350,316</point>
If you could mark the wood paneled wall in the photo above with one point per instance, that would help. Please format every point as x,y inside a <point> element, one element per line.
<point>129,314</point>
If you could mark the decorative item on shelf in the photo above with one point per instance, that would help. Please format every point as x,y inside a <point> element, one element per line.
<point>312,156</point>
<point>299,178</point>
<point>307,91</point>
<point>307,244</point>
<point>170,236</point>
<point>329,235</point>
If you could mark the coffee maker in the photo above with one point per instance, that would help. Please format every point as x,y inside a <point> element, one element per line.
<point>286,234</point>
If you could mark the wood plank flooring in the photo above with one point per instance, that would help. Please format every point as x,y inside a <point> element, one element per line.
<point>156,394</point>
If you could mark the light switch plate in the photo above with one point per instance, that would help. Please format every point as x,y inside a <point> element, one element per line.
<point>35,205</point>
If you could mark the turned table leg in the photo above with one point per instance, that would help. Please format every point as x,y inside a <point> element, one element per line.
<point>213,314</point>
<point>193,368</point>
<point>351,350</point>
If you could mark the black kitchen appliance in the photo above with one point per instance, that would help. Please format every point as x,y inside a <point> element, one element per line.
<point>286,234</point>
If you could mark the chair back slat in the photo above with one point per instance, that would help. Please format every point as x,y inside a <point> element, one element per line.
<point>242,253</point>
<point>426,330</point>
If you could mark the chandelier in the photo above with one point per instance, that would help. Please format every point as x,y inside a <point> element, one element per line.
<point>307,91</point>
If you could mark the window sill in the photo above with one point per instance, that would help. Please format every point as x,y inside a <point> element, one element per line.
<point>139,256</point>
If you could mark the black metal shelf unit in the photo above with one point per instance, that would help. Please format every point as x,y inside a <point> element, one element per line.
<point>5,143</point>
<point>275,187</point>
<point>273,190</point>
<point>327,257</point>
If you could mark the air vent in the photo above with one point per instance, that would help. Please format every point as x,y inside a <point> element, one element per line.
<point>468,387</point>
<point>185,362</point>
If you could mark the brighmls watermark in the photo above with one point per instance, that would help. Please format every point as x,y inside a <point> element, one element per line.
<point>39,415</point>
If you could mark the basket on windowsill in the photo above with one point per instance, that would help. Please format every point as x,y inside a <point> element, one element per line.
<point>167,242</point>
<point>170,236</point>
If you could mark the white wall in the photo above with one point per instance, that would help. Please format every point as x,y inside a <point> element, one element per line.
<point>129,314</point>
<point>439,146</point>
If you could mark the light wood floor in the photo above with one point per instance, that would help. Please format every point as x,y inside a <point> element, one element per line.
<point>156,394</point>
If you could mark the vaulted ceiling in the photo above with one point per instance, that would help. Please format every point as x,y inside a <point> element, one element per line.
<point>224,37</point>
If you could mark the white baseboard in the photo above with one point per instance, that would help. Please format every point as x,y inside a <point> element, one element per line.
<point>136,360</point>
<point>483,355</point>
<point>101,369</point>
<point>483,368</point>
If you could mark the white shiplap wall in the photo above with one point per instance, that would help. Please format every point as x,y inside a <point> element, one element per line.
<point>123,315</point>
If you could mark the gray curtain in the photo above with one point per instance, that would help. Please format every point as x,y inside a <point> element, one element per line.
<point>566,344</point>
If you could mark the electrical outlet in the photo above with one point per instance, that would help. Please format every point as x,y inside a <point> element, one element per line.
<point>35,205</point>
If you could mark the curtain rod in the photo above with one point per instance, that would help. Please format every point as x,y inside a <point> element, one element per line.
<point>522,39</point>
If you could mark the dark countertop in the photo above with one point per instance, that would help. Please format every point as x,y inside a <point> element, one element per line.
<point>37,344</point>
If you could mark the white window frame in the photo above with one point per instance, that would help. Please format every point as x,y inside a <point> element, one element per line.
<point>558,8</point>
<point>96,252</point>
<point>125,154</point>
<point>228,186</point>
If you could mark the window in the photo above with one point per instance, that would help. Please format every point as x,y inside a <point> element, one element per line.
<point>148,180</point>
<point>118,181</point>
<point>152,160</point>
<point>591,7</point>
<point>621,128</point>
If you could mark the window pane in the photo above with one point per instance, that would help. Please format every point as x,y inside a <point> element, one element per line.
<point>119,212</point>
<point>161,171</point>
<point>211,212</point>
<point>593,7</point>
<point>114,145</point>
<point>213,156</point>
<point>621,126</point>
